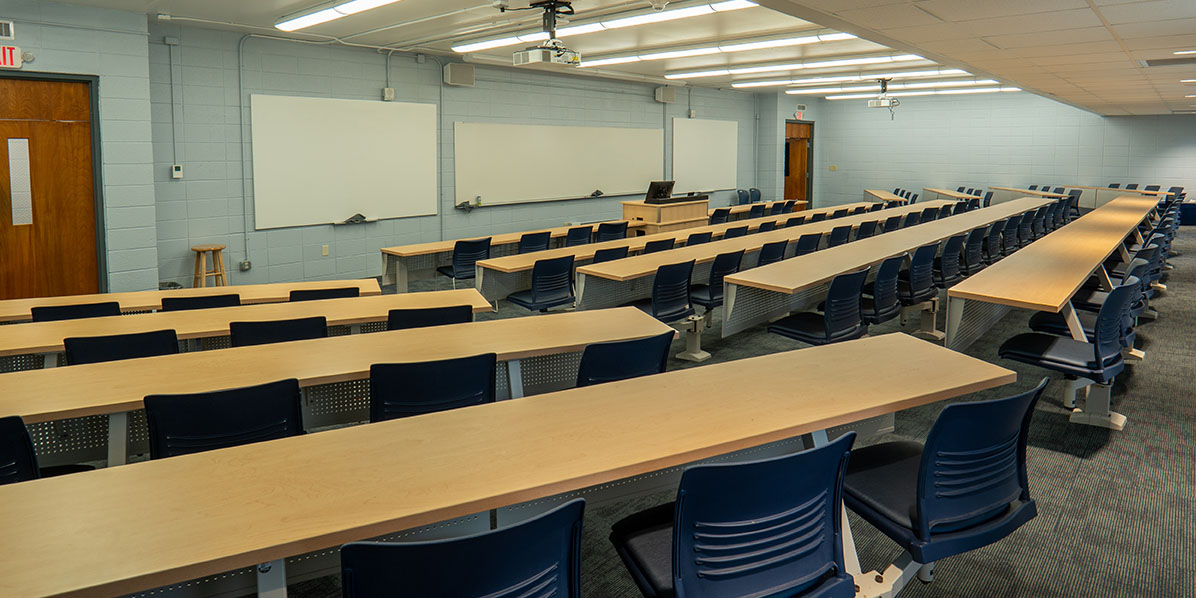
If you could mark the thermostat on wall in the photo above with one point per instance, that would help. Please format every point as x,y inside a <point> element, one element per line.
<point>176,171</point>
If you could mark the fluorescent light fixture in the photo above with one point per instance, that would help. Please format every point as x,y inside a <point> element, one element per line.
<point>1187,80</point>
<point>892,87</point>
<point>740,47</point>
<point>1182,52</point>
<point>616,23</point>
<point>330,14</point>
<point>678,54</point>
<point>1190,96</point>
<point>902,94</point>
<point>771,68</point>
<point>852,77</point>
<point>606,61</point>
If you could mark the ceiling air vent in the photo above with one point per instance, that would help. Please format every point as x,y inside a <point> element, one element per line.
<point>6,31</point>
<point>1169,62</point>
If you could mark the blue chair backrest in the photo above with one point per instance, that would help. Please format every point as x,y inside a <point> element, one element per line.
<point>994,237</point>
<point>958,208</point>
<point>725,264</point>
<point>208,302</point>
<point>1132,186</point>
<point>988,199</point>
<point>735,231</point>
<point>720,216</point>
<point>807,243</point>
<point>466,252</point>
<point>795,221</point>
<point>973,249</point>
<point>1114,185</point>
<point>777,209</point>
<point>18,461</point>
<point>611,231</point>
<point>698,238</point>
<point>867,229</point>
<point>911,219</point>
<point>818,217</point>
<point>670,291</point>
<point>755,194</point>
<point>578,235</point>
<point>422,317</point>
<point>842,310</point>
<point>1151,188</point>
<point>876,207</point>
<point>959,189</point>
<point>608,254</point>
<point>535,558</point>
<point>620,360</point>
<point>772,253</point>
<point>892,223</point>
<point>974,463</point>
<point>1106,338</point>
<point>913,198</point>
<point>1033,187</point>
<point>1058,190</point>
<point>743,195</point>
<point>407,389</point>
<point>243,334</point>
<point>929,215</point>
<point>659,245</point>
<point>756,211</point>
<point>921,268</point>
<point>763,528</point>
<point>766,226</point>
<point>96,349</point>
<point>192,423</point>
<point>320,294</point>
<point>839,236</point>
<point>949,261</point>
<point>1045,188</point>
<point>552,279</point>
<point>839,213</point>
<point>973,204</point>
<point>884,286</point>
<point>531,242</point>
<point>53,313</point>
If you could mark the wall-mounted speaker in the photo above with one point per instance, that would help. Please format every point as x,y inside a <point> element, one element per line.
<point>666,95</point>
<point>456,73</point>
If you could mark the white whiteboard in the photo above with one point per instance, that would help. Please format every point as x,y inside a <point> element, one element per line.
<point>321,160</point>
<point>507,164</point>
<point>705,154</point>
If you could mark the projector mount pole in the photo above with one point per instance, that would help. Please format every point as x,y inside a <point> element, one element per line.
<point>884,89</point>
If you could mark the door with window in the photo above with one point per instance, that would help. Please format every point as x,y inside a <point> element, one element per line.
<point>799,139</point>
<point>47,189</point>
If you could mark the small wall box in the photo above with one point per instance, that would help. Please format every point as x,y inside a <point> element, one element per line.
<point>666,95</point>
<point>458,74</point>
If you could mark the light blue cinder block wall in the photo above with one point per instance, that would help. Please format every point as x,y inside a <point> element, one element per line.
<point>109,44</point>
<point>1003,139</point>
<point>196,123</point>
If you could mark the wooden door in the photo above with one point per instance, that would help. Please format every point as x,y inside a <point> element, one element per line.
<point>798,137</point>
<point>54,251</point>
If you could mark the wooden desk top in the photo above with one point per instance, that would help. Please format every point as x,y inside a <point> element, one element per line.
<point>12,310</point>
<point>644,203</point>
<point>46,337</point>
<point>1031,192</point>
<point>117,386</point>
<point>950,193</point>
<point>646,265</point>
<point>885,195</point>
<point>518,263</point>
<point>747,207</point>
<point>140,526</point>
<point>800,273</point>
<point>1044,275</point>
<point>499,239</point>
<point>1137,191</point>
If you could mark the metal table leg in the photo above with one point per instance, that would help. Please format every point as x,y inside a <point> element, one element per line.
<point>118,438</point>
<point>272,579</point>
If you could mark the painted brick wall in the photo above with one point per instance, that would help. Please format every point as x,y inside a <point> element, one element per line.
<point>206,206</point>
<point>111,44</point>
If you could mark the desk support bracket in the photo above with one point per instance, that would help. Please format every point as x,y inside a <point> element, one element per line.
<point>515,378</point>
<point>272,579</point>
<point>693,339</point>
<point>49,360</point>
<point>118,438</point>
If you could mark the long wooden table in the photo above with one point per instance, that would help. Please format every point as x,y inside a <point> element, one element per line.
<point>18,310</point>
<point>952,194</point>
<point>1116,192</point>
<point>742,210</point>
<point>763,294</point>
<point>134,528</point>
<point>1043,277</point>
<point>47,337</point>
<point>886,196</point>
<point>115,388</point>
<point>498,277</point>
<point>404,263</point>
<point>1023,192</point>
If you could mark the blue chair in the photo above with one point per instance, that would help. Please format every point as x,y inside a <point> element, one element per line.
<point>1131,186</point>
<point>840,235</point>
<point>866,229</point>
<point>876,207</point>
<point>842,317</point>
<point>720,216</point>
<point>771,253</point>
<point>531,242</point>
<point>1114,185</point>
<point>611,231</point>
<point>710,295</point>
<point>776,209</point>
<point>1057,190</point>
<point>959,189</point>
<point>992,243</point>
<point>621,360</point>
<point>807,244</point>
<point>1073,205</point>
<point>743,196</point>
<point>1009,240</point>
<point>766,227</point>
<point>552,285</point>
<point>946,267</point>
<point>191,423</point>
<point>973,204</point>
<point>892,223</point>
<point>859,210</point>
<point>735,231</point>
<point>670,293</point>
<point>53,313</point>
<point>97,349</point>
<point>578,235</point>
<point>609,254</point>
<point>965,488</point>
<point>771,527</point>
<point>1033,187</point>
<point>1058,214</point>
<point>792,203</point>
<point>755,194</point>
<point>407,389</point>
<point>465,254</point>
<point>840,213</point>
<point>1151,188</point>
<point>988,199</point>
<point>535,558</point>
<point>698,238</point>
<point>1025,229</point>
<point>18,458</point>
<point>932,214</point>
<point>913,199</point>
<point>795,221</point>
<point>880,303</point>
<point>208,302</point>
<point>916,284</point>
<point>1053,323</point>
<point>817,217</point>
<point>911,219</point>
<point>244,334</point>
<point>319,294</point>
<point>1038,222</point>
<point>1045,188</point>
<point>422,317</point>
<point>658,245</point>
<point>973,252</point>
<point>958,208</point>
<point>756,211</point>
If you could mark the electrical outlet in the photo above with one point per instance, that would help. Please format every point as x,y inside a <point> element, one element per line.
<point>176,171</point>
<point>246,265</point>
<point>324,250</point>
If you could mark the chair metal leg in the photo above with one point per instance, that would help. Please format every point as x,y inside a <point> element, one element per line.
<point>1097,409</point>
<point>926,573</point>
<point>928,323</point>
<point>894,579</point>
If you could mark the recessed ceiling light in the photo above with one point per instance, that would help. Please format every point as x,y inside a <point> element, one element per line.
<point>852,77</point>
<point>869,96</point>
<point>892,87</point>
<point>1187,80</point>
<point>1182,52</point>
<point>772,68</point>
<point>733,47</point>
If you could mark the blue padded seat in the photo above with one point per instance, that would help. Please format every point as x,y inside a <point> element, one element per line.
<point>965,488</point>
<point>754,195</point>
<point>959,208</point>
<point>840,235</point>
<point>791,203</point>
<point>621,360</point>
<point>973,252</point>
<point>318,294</point>
<point>535,558</point>
<point>609,254</point>
<point>749,529</point>
<point>406,389</point>
<point>96,349</point>
<point>53,313</point>
<point>552,285</point>
<point>911,219</point>
<point>201,302</point>
<point>466,253</point>
<point>670,293</point>
<point>947,272</point>
<point>880,302</point>
<point>756,211</point>
<point>876,207</point>
<point>916,284</point>
<point>807,244</point>
<point>931,214</point>
<point>743,196</point>
<point>795,221</point>
<point>698,238</point>
<point>859,210</point>
<point>840,213</point>
<point>578,235</point>
<point>658,245</point>
<point>841,319</point>
<point>771,253</point>
<point>422,317</point>
<point>710,295</point>
<point>777,209</point>
<point>817,217</point>
<point>866,229</point>
<point>191,423</point>
<point>766,227</point>
<point>719,216</point>
<point>532,242</point>
<point>735,231</point>
<point>243,334</point>
<point>892,223</point>
<point>611,231</point>
<point>992,243</point>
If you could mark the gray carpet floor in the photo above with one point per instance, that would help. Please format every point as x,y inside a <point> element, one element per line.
<point>1115,509</point>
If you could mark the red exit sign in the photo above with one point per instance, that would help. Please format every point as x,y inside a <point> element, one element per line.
<point>10,57</point>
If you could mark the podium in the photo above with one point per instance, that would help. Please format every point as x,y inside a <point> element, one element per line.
<point>666,217</point>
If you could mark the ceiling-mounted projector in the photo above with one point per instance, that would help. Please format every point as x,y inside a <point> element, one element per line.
<point>883,100</point>
<point>553,50</point>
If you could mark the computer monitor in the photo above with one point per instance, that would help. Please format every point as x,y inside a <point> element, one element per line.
<point>659,192</point>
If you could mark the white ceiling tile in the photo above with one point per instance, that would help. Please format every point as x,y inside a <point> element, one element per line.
<point>882,18</point>
<point>965,10</point>
<point>1140,12</point>
<point>1057,38</point>
<point>1157,28</point>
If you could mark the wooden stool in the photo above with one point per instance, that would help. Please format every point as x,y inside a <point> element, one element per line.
<point>201,268</point>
